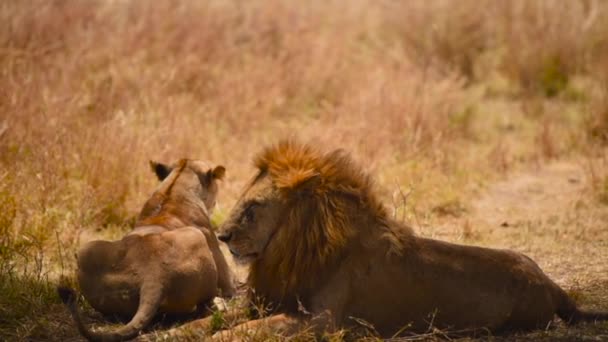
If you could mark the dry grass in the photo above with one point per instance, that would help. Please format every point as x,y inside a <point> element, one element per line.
<point>419,91</point>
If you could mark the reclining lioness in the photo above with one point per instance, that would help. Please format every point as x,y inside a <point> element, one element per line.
<point>170,262</point>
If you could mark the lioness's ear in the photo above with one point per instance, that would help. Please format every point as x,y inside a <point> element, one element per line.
<point>298,180</point>
<point>161,170</point>
<point>219,172</point>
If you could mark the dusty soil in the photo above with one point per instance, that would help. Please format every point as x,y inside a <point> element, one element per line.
<point>549,214</point>
<point>546,212</point>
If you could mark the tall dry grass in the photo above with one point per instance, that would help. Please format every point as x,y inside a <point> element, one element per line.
<point>90,90</point>
<point>548,42</point>
<point>537,45</point>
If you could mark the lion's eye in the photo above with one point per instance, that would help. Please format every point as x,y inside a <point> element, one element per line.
<point>250,212</point>
<point>249,215</point>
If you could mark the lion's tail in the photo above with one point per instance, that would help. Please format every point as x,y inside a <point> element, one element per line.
<point>571,314</point>
<point>149,302</point>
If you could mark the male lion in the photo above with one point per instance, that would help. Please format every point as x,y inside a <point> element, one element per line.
<point>170,262</point>
<point>323,250</point>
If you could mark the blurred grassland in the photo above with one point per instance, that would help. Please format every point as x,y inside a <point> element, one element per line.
<point>434,97</point>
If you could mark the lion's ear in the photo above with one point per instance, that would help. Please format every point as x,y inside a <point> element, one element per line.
<point>161,170</point>
<point>298,180</point>
<point>218,172</point>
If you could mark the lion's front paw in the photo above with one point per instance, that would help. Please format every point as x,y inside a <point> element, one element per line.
<point>230,335</point>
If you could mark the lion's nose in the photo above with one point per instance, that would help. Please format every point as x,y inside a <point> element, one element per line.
<point>225,236</point>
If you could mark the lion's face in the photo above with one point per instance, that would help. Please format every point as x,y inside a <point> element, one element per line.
<point>253,221</point>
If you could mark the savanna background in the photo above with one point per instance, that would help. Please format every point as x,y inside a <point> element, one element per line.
<point>483,122</point>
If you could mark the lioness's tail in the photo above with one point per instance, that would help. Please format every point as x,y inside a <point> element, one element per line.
<point>571,314</point>
<point>149,301</point>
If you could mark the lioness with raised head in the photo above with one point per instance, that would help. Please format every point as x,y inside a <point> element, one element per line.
<point>323,250</point>
<point>170,262</point>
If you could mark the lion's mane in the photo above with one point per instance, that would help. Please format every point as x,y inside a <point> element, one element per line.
<point>330,202</point>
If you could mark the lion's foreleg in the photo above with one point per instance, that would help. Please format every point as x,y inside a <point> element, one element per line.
<point>281,324</point>
<point>197,328</point>
<point>275,324</point>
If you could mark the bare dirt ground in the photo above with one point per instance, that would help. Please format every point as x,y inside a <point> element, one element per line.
<point>545,212</point>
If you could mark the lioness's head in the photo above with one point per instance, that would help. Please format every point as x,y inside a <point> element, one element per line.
<point>187,177</point>
<point>296,215</point>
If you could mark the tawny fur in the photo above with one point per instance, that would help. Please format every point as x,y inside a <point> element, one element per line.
<point>324,252</point>
<point>169,263</point>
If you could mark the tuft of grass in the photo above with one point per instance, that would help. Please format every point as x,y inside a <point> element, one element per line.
<point>454,37</point>
<point>597,120</point>
<point>453,208</point>
<point>217,320</point>
<point>602,191</point>
<point>545,139</point>
<point>576,294</point>
<point>553,77</point>
<point>23,307</point>
<point>545,44</point>
<point>219,215</point>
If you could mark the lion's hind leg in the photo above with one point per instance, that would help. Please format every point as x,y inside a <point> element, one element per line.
<point>534,309</point>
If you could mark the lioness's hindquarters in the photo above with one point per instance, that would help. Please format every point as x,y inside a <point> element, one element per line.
<point>170,262</point>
